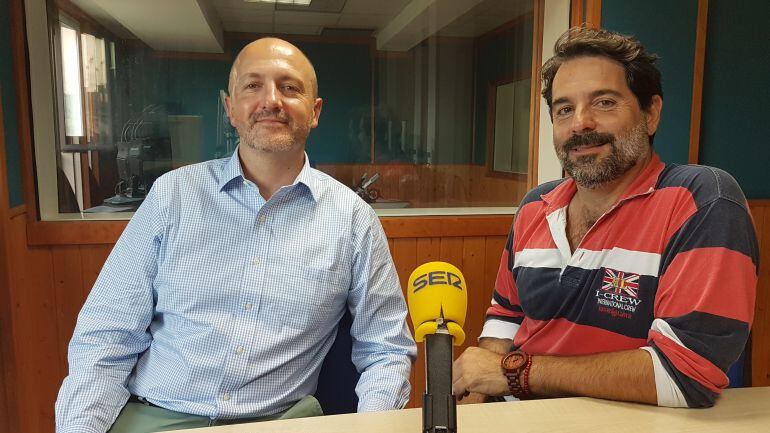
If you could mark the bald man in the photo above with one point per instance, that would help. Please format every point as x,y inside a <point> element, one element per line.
<point>223,295</point>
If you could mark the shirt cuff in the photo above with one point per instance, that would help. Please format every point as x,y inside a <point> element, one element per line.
<point>669,394</point>
<point>375,404</point>
<point>495,328</point>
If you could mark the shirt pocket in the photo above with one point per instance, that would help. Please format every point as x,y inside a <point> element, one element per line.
<point>304,298</point>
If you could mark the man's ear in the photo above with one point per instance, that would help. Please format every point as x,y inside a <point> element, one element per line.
<point>653,114</point>
<point>229,109</point>
<point>317,105</point>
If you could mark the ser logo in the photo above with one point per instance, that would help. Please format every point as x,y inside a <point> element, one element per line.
<point>437,278</point>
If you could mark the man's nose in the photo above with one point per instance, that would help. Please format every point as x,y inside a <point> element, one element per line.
<point>583,120</point>
<point>271,97</point>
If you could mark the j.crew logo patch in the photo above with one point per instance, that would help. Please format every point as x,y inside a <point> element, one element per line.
<point>619,293</point>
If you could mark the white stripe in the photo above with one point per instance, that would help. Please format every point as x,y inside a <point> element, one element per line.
<point>620,259</point>
<point>538,258</point>
<point>495,328</point>
<point>669,394</point>
<point>664,328</point>
<point>557,224</point>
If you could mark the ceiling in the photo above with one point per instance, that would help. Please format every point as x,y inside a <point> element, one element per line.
<point>398,25</point>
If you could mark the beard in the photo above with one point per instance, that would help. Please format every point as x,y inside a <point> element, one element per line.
<point>593,171</point>
<point>273,138</point>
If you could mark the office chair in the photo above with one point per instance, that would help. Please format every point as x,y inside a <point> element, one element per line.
<point>337,382</point>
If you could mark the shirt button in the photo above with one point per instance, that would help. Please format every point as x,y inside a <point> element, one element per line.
<point>239,350</point>
<point>262,219</point>
<point>255,261</point>
<point>226,397</point>
<point>248,306</point>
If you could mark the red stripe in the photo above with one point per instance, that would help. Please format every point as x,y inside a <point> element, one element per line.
<point>563,338</point>
<point>643,223</point>
<point>499,310</point>
<point>506,287</point>
<point>713,280</point>
<point>531,228</point>
<point>690,363</point>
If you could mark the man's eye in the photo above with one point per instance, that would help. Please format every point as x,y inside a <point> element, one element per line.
<point>291,88</point>
<point>252,85</point>
<point>563,111</point>
<point>606,103</point>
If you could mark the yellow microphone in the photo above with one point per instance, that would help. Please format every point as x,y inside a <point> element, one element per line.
<point>437,295</point>
<point>438,299</point>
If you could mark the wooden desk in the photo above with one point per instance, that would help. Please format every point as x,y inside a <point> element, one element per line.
<point>738,410</point>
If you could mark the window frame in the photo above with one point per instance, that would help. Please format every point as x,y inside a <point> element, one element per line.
<point>41,42</point>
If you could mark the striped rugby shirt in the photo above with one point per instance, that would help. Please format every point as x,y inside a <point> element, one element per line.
<point>672,269</point>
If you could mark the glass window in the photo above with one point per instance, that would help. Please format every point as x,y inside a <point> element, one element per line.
<point>427,105</point>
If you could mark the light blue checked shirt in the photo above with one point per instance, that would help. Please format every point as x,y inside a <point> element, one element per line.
<point>216,303</point>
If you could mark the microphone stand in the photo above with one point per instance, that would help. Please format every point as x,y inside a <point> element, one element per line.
<point>439,407</point>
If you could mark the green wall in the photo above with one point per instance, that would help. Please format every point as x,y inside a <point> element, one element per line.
<point>191,87</point>
<point>666,28</point>
<point>8,90</point>
<point>735,126</point>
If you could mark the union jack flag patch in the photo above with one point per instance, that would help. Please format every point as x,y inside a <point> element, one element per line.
<point>622,283</point>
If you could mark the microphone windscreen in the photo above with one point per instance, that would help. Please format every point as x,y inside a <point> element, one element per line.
<point>437,289</point>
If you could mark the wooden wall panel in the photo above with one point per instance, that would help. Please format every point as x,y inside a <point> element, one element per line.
<point>68,290</point>
<point>38,367</point>
<point>472,266</point>
<point>6,324</point>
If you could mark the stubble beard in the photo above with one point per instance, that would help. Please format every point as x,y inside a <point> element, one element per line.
<point>593,171</point>
<point>264,139</point>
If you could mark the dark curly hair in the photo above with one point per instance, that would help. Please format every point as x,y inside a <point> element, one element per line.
<point>642,77</point>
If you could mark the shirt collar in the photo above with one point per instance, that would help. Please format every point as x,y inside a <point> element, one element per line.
<point>643,184</point>
<point>231,171</point>
<point>307,176</point>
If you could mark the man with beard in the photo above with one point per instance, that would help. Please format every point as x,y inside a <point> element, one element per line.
<point>223,295</point>
<point>630,279</point>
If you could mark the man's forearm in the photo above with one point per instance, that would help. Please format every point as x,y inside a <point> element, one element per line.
<point>625,376</point>
<point>497,345</point>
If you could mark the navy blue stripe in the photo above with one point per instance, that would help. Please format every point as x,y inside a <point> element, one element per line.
<point>695,394</point>
<point>579,298</point>
<point>706,184</point>
<point>534,194</point>
<point>509,248</point>
<point>503,301</point>
<point>516,320</point>
<point>718,339</point>
<point>722,223</point>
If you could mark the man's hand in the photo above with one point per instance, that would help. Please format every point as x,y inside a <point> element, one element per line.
<point>478,370</point>
<point>472,398</point>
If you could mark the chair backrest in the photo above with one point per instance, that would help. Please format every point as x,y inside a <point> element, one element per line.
<point>736,372</point>
<point>337,382</point>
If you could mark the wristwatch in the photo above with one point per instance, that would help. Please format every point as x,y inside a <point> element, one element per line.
<point>516,366</point>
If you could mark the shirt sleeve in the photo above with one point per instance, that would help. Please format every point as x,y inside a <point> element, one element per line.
<point>505,315</point>
<point>704,305</point>
<point>383,348</point>
<point>111,329</point>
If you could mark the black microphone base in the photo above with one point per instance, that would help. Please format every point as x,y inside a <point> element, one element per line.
<point>439,407</point>
<point>428,420</point>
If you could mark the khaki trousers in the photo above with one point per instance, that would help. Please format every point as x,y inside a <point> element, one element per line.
<point>142,418</point>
